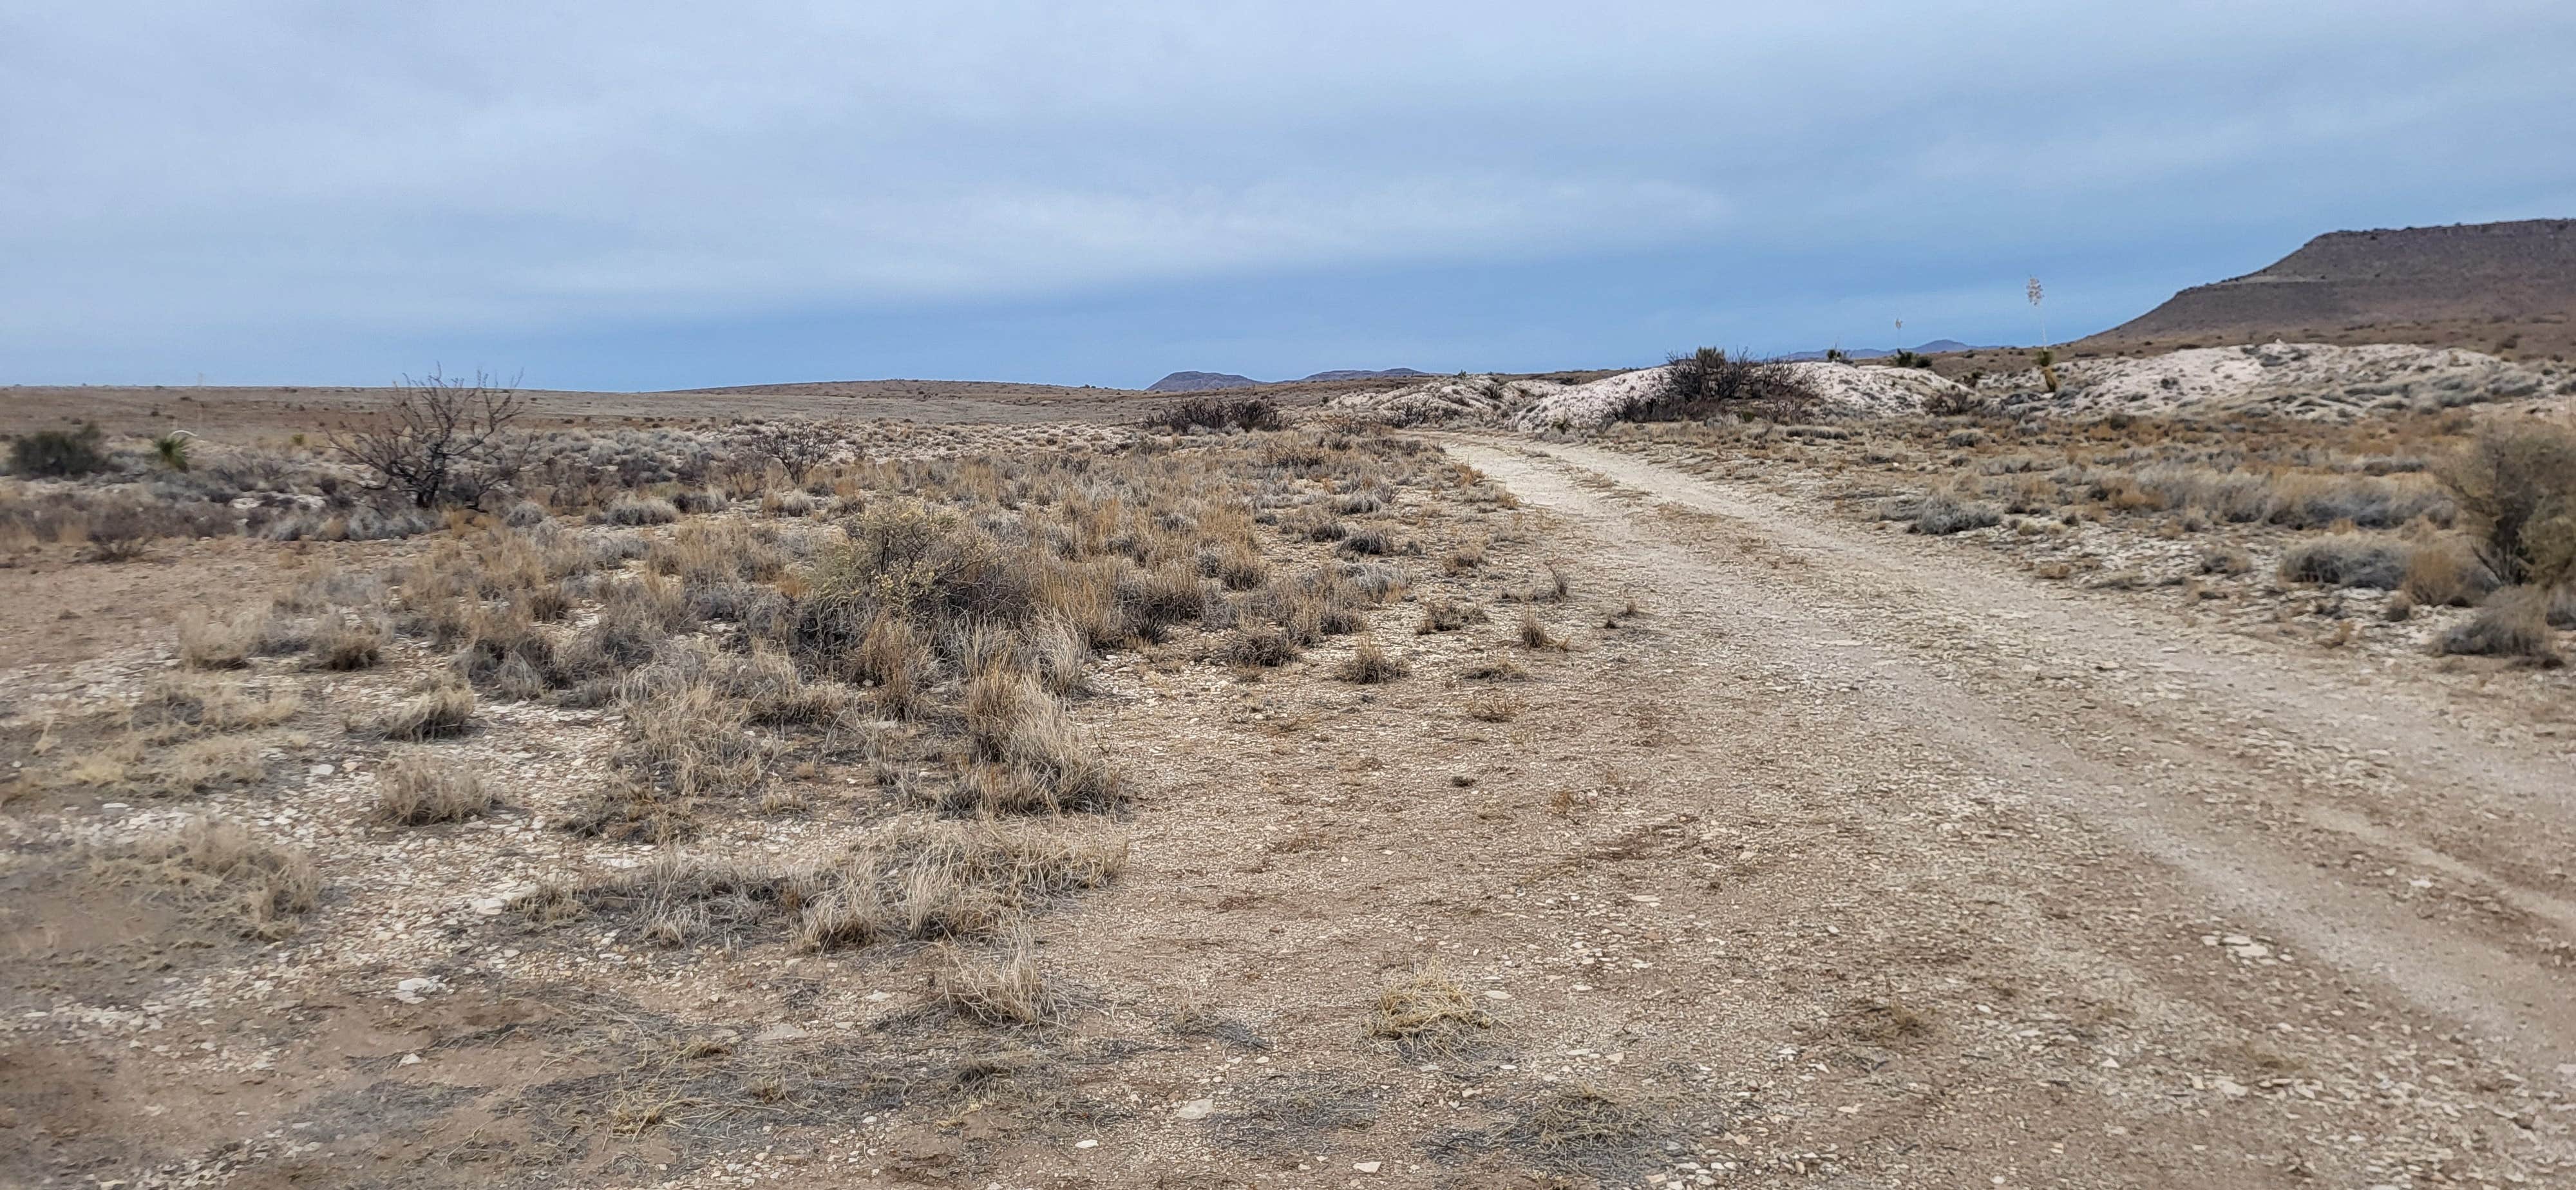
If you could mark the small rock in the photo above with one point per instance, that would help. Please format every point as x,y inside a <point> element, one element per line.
<point>411,1059</point>
<point>417,989</point>
<point>1196,1109</point>
<point>779,1032</point>
<point>323,770</point>
<point>1367,1166</point>
<point>1086,1144</point>
<point>1497,994</point>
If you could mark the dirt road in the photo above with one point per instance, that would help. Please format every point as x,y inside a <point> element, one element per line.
<point>2306,882</point>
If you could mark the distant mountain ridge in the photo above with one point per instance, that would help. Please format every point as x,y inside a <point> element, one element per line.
<point>1200,382</point>
<point>2488,286</point>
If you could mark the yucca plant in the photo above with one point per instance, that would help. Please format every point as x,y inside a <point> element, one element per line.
<point>173,449</point>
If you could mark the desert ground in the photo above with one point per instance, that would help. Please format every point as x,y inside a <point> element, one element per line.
<point>2071,780</point>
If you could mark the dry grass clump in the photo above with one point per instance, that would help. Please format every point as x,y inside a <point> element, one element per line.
<point>211,863</point>
<point>641,510</point>
<point>1940,514</point>
<point>206,642</point>
<point>416,790</point>
<point>443,710</point>
<point>1005,989</point>
<point>350,642</point>
<point>2513,623</point>
<point>1534,635</point>
<point>1441,615</point>
<point>2446,572</point>
<point>200,765</point>
<point>913,881</point>
<point>688,737</point>
<point>222,706</point>
<point>1426,1014</point>
<point>1494,706</point>
<point>1263,648</point>
<point>1031,757</point>
<point>1370,665</point>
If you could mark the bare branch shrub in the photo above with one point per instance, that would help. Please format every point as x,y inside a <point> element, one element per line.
<point>445,440</point>
<point>1710,383</point>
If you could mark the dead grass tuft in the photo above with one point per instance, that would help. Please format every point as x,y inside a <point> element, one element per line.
<point>1370,665</point>
<point>206,642</point>
<point>211,863</point>
<point>1005,989</point>
<point>2513,623</point>
<point>443,710</point>
<point>416,790</point>
<point>1426,1014</point>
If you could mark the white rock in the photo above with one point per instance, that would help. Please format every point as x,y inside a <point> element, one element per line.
<point>1367,1166</point>
<point>411,1059</point>
<point>778,1032</point>
<point>1086,1144</point>
<point>1497,994</point>
<point>1196,1109</point>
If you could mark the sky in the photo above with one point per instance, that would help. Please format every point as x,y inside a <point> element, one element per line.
<point>648,195</point>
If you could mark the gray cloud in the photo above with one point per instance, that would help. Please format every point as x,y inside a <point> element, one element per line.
<point>182,178</point>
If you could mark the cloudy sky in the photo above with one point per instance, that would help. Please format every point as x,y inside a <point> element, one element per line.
<point>652,195</point>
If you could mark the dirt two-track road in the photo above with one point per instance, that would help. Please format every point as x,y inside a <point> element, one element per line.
<point>2175,907</point>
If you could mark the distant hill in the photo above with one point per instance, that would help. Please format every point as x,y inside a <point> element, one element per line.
<point>1362,374</point>
<point>2508,288</point>
<point>1936,345</point>
<point>1200,382</point>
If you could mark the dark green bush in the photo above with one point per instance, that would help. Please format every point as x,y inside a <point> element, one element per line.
<point>57,454</point>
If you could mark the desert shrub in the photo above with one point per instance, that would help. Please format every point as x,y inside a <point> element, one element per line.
<point>416,790</point>
<point>2516,487</point>
<point>172,449</point>
<point>58,454</point>
<point>1710,383</point>
<point>2513,623</point>
<point>1218,413</point>
<point>443,440</point>
<point>526,514</point>
<point>2347,560</point>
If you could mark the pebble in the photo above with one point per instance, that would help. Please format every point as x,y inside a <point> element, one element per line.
<point>1367,1166</point>
<point>1196,1109</point>
<point>417,989</point>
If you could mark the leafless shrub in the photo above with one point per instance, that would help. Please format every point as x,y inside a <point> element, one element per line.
<point>443,440</point>
<point>2516,487</point>
<point>416,790</point>
<point>1218,413</point>
<point>1265,648</point>
<point>642,510</point>
<point>1709,383</point>
<point>1441,615</point>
